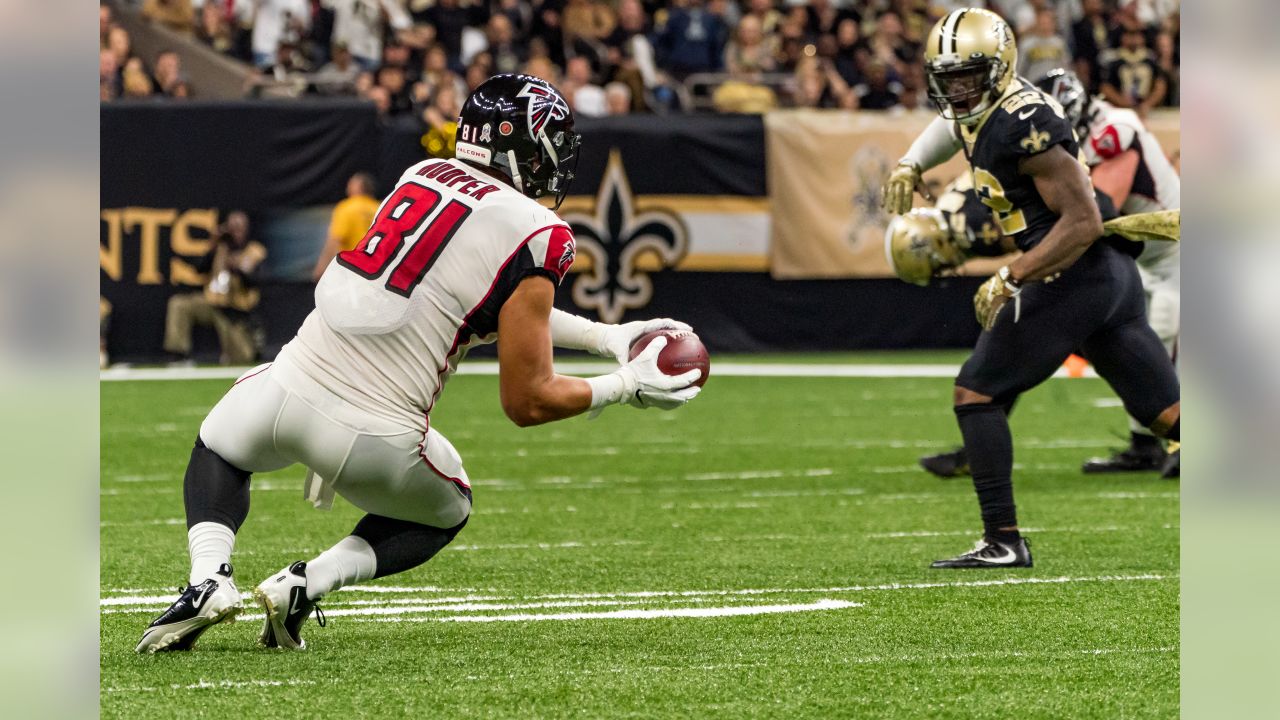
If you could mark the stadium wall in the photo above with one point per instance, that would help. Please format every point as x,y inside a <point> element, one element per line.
<point>673,216</point>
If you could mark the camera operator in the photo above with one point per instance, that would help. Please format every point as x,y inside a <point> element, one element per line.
<point>228,298</point>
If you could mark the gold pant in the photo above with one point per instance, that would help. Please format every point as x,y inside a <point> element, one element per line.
<point>190,309</point>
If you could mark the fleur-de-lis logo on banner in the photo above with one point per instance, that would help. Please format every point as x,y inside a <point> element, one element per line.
<point>615,236</point>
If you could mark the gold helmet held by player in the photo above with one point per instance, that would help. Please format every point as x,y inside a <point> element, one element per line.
<point>919,245</point>
<point>969,60</point>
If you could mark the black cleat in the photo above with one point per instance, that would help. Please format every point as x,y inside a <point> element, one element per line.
<point>947,465</point>
<point>1130,459</point>
<point>1172,468</point>
<point>198,608</point>
<point>283,597</point>
<point>991,554</point>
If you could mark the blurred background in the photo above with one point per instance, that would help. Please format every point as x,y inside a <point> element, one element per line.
<point>732,158</point>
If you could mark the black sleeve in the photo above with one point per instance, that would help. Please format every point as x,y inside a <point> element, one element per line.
<point>1033,129</point>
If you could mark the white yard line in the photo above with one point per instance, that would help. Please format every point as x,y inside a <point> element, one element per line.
<point>156,601</point>
<point>212,685</point>
<point>483,367</point>
<point>636,614</point>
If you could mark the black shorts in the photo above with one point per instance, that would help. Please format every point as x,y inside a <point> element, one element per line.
<point>1096,308</point>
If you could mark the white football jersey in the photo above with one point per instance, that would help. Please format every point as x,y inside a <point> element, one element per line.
<point>1156,185</point>
<point>396,314</point>
<point>1112,131</point>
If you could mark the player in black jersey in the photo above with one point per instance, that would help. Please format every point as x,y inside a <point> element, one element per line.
<point>1067,292</point>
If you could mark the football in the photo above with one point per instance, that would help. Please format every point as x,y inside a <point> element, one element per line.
<point>684,352</point>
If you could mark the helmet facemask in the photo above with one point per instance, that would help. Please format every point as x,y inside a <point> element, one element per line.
<point>963,91</point>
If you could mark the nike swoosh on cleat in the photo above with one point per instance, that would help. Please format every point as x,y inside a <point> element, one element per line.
<point>199,602</point>
<point>293,603</point>
<point>1009,557</point>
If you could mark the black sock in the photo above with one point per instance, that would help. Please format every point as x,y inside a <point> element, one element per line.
<point>985,429</point>
<point>401,545</point>
<point>1173,431</point>
<point>1143,442</point>
<point>214,490</point>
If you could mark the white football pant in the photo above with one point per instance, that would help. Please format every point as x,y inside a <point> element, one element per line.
<point>381,468</point>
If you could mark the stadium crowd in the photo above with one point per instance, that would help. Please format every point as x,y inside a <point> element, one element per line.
<point>419,58</point>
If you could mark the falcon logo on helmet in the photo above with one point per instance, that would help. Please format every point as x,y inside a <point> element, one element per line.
<point>535,146</point>
<point>544,104</point>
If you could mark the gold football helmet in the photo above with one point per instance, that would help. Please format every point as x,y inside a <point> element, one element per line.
<point>969,60</point>
<point>919,245</point>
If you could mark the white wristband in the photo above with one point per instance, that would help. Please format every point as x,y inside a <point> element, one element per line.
<point>611,389</point>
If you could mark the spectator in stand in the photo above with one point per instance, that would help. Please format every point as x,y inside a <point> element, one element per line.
<point>1133,79</point>
<point>441,119</point>
<point>392,79</point>
<point>120,45</point>
<point>380,97</point>
<point>1167,59</point>
<point>818,85</point>
<point>436,72</point>
<point>1040,49</point>
<point>480,69</point>
<point>585,97</point>
<point>227,300</point>
<point>822,17</point>
<point>135,80</point>
<point>361,24</point>
<point>540,66</point>
<point>106,20</point>
<point>889,47</point>
<point>338,76</point>
<point>177,15</point>
<point>450,18</point>
<point>285,77</point>
<point>851,52</point>
<point>882,90</point>
<point>276,22</point>
<point>508,54</point>
<point>691,41</point>
<point>628,49</point>
<point>617,98</point>
<point>588,20</point>
<point>750,52</point>
<point>215,29</point>
<point>351,219</point>
<point>767,14</point>
<point>168,75</point>
<point>1091,41</point>
<point>110,83</point>
<point>1018,13</point>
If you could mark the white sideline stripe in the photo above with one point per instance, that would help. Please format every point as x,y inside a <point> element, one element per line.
<point>164,599</point>
<point>213,685</point>
<point>798,370</point>
<point>638,614</point>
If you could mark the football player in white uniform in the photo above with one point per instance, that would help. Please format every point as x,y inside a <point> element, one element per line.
<point>459,254</point>
<point>1127,163</point>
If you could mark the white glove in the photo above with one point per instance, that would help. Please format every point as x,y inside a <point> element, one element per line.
<point>641,384</point>
<point>616,340</point>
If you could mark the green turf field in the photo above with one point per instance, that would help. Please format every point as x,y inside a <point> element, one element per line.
<point>795,499</point>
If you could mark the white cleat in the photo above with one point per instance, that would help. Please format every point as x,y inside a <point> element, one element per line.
<point>197,609</point>
<point>283,597</point>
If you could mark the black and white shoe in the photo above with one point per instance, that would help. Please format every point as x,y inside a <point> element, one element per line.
<point>283,597</point>
<point>198,608</point>
<point>947,465</point>
<point>1131,459</point>
<point>991,554</point>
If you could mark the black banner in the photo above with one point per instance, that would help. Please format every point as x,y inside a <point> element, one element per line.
<point>170,173</point>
